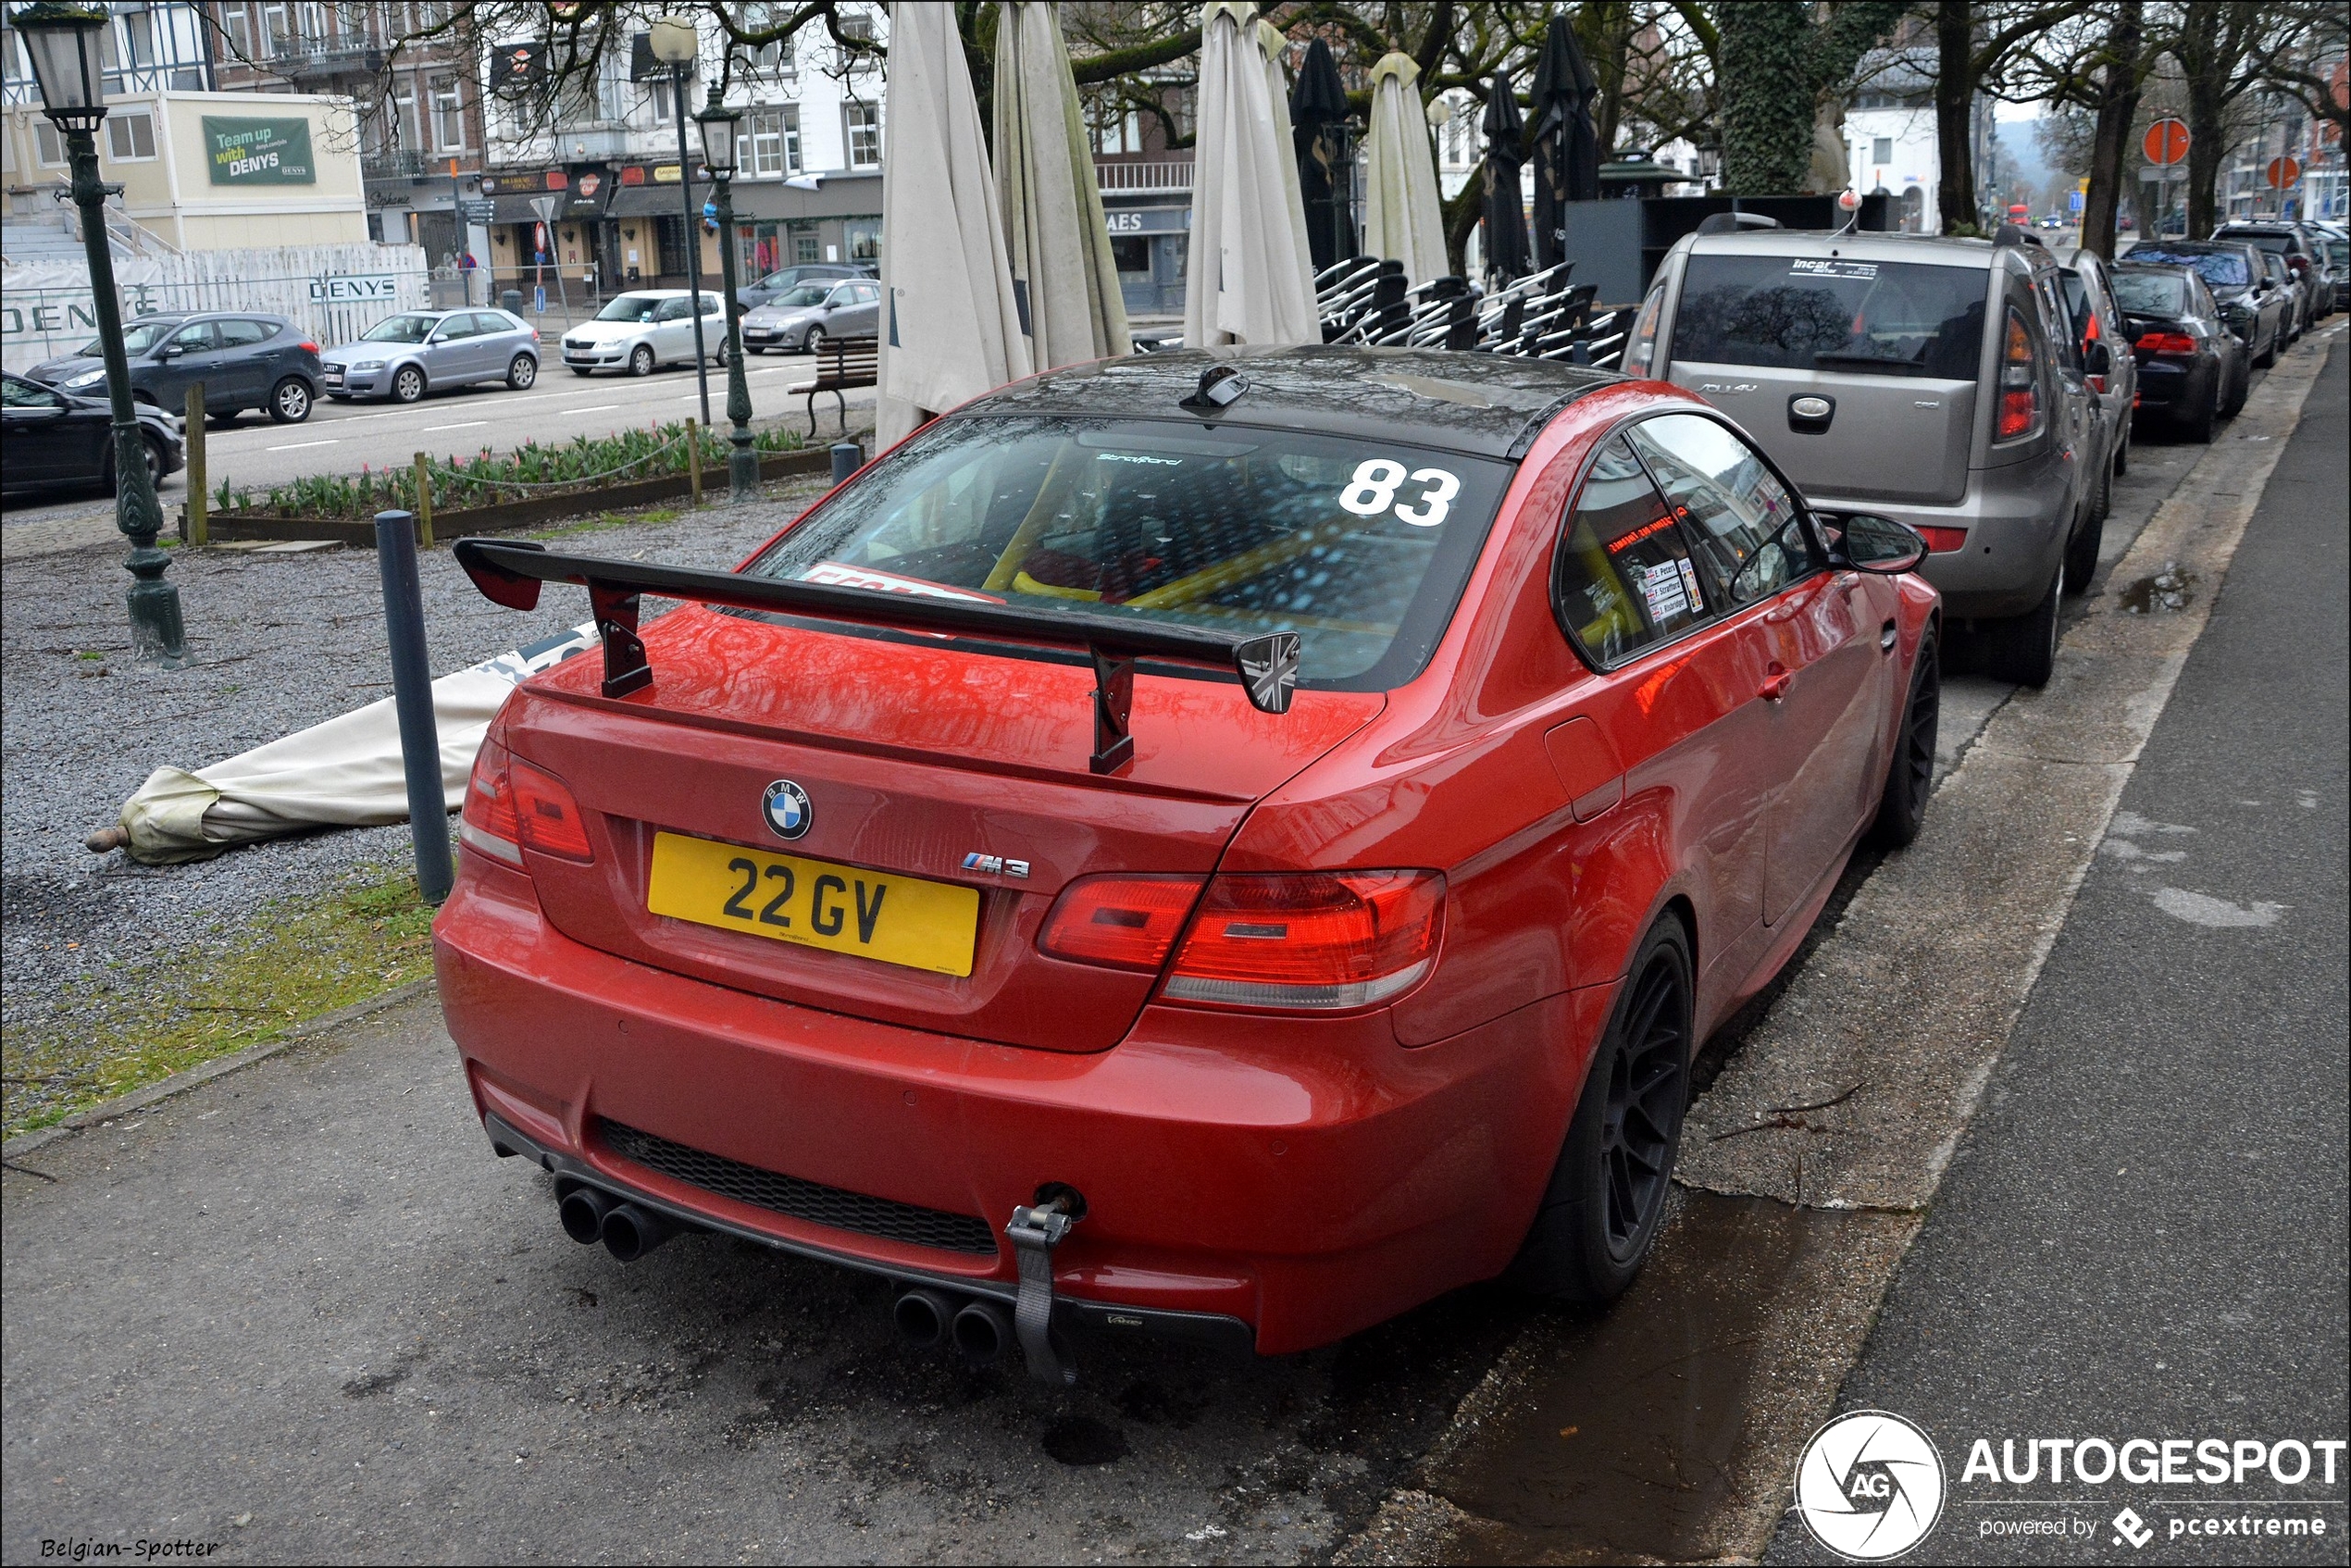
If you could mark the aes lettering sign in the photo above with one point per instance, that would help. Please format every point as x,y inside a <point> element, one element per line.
<point>259,152</point>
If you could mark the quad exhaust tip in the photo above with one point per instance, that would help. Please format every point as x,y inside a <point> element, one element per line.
<point>589,1214</point>
<point>982,1330</point>
<point>922,1317</point>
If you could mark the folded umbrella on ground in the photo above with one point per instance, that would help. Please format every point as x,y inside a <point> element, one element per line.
<point>344,773</point>
<point>1402,219</point>
<point>1250,277</point>
<point>1063,267</point>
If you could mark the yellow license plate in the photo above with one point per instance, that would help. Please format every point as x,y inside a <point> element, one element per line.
<point>881,915</point>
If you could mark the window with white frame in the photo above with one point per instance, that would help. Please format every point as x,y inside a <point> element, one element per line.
<point>1115,133</point>
<point>404,115</point>
<point>865,133</point>
<point>772,59</point>
<point>448,114</point>
<point>277,27</point>
<point>769,143</point>
<point>236,26</point>
<point>130,138</point>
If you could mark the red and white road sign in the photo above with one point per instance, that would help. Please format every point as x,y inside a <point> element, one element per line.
<point>2165,141</point>
<point>2283,172</point>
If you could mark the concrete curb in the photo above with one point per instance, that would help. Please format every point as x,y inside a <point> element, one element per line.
<point>204,1072</point>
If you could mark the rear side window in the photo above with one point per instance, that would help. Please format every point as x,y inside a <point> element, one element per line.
<point>1806,313</point>
<point>1743,524</point>
<point>244,334</point>
<point>1625,580</point>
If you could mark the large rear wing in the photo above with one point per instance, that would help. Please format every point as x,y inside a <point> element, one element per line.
<point>508,572</point>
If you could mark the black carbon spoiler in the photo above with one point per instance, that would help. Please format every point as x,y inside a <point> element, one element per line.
<point>508,572</point>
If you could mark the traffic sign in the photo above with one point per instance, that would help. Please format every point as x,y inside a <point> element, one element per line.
<point>2283,172</point>
<point>2165,141</point>
<point>478,211</point>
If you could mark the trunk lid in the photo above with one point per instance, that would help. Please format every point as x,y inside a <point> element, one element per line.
<point>1889,438</point>
<point>913,756</point>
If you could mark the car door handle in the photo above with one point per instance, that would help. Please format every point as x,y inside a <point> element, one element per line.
<point>1886,638</point>
<point>1775,683</point>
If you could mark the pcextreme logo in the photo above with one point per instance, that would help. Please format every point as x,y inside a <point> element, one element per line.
<point>1870,1486</point>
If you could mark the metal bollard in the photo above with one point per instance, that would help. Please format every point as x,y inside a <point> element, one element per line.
<point>848,457</point>
<point>412,695</point>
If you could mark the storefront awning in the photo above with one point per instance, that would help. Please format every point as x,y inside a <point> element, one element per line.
<point>652,201</point>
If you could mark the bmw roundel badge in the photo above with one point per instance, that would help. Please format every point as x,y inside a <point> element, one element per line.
<point>787,809</point>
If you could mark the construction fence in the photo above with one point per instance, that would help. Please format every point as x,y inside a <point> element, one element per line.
<point>333,292</point>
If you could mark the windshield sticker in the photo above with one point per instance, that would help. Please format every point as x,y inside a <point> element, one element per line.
<point>1137,457</point>
<point>1864,270</point>
<point>1376,481</point>
<point>1689,582</point>
<point>840,573</point>
<point>1662,586</point>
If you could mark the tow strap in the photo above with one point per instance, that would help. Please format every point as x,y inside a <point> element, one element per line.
<point>1034,1233</point>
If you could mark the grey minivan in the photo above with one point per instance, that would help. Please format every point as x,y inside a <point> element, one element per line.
<point>1937,381</point>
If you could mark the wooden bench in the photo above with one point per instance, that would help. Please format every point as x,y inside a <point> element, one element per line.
<point>842,364</point>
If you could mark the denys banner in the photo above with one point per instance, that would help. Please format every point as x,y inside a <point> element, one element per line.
<point>259,152</point>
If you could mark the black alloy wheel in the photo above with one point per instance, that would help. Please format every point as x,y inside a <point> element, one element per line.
<point>1910,777</point>
<point>1609,1190</point>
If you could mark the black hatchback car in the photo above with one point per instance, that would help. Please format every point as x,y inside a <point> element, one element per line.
<point>50,438</point>
<point>2192,370</point>
<point>244,359</point>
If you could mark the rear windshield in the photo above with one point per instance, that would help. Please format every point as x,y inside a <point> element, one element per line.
<point>1359,545</point>
<point>2228,269</point>
<point>2281,244</point>
<point>1806,313</point>
<point>2151,293</point>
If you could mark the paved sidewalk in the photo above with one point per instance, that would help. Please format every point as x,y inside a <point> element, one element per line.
<point>2144,1233</point>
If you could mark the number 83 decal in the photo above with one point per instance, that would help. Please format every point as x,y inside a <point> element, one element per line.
<point>1372,491</point>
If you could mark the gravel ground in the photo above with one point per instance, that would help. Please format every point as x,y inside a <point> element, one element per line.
<point>281,642</point>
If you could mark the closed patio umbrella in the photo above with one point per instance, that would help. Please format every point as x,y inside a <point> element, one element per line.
<point>1325,158</point>
<point>1248,279</point>
<point>1565,148</point>
<point>1402,220</point>
<point>1505,215</point>
<point>951,325</point>
<point>1064,275</point>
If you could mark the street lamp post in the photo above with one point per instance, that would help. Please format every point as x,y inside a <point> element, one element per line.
<point>718,126</point>
<point>675,43</point>
<point>64,43</point>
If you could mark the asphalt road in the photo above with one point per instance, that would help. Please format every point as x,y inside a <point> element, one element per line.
<point>300,1312</point>
<point>339,437</point>
<point>2144,1233</point>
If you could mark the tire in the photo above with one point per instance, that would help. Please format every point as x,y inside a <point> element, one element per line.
<point>2022,649</point>
<point>521,372</point>
<point>2081,552</point>
<point>154,464</point>
<point>290,401</point>
<point>2240,387</point>
<point>2122,447</point>
<point>1608,1191</point>
<point>2199,425</point>
<point>2267,357</point>
<point>814,342</point>
<point>641,363</point>
<point>2102,500</point>
<point>1910,777</point>
<point>408,384</point>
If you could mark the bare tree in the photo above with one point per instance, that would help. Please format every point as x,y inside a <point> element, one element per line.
<point>2219,46</point>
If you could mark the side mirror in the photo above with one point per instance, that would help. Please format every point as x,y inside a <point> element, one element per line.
<point>2097,360</point>
<point>169,351</point>
<point>1868,542</point>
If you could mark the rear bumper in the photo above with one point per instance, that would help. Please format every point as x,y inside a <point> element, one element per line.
<point>2169,384</point>
<point>2018,519</point>
<point>1276,1182</point>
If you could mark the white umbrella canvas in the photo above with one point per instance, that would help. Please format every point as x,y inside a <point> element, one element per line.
<point>1064,275</point>
<point>1249,276</point>
<point>951,325</point>
<point>1401,218</point>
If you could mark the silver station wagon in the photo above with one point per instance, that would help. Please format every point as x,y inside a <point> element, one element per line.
<point>404,357</point>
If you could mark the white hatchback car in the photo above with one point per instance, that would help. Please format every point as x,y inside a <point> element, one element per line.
<point>645,328</point>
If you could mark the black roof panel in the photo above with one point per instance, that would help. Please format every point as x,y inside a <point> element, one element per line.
<point>1486,404</point>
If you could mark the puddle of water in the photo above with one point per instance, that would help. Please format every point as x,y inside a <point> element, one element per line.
<point>2169,589</point>
<point>1626,1443</point>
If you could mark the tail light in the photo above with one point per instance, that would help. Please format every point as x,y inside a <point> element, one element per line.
<point>512,805</point>
<point>310,347</point>
<point>2166,342</point>
<point>1316,940</point>
<point>1942,541</point>
<point>1120,922</point>
<point>1640,352</point>
<point>2090,336</point>
<point>2300,264</point>
<point>2020,383</point>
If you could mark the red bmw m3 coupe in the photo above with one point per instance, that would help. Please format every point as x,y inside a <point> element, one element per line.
<point>1221,847</point>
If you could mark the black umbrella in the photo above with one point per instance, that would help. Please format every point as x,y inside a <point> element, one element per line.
<point>1326,156</point>
<point>1566,149</point>
<point>1505,127</point>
